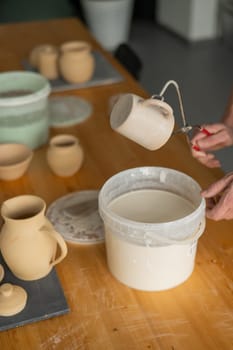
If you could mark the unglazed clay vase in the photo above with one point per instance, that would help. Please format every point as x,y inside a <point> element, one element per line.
<point>149,123</point>
<point>12,299</point>
<point>76,62</point>
<point>34,54</point>
<point>48,62</point>
<point>64,155</point>
<point>28,242</point>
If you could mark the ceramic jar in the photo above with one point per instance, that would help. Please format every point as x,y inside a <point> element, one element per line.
<point>48,62</point>
<point>76,62</point>
<point>64,155</point>
<point>28,242</point>
<point>35,52</point>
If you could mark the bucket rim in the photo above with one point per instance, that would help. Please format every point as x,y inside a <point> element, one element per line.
<point>106,212</point>
<point>43,92</point>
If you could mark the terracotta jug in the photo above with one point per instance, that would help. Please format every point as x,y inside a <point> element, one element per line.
<point>76,62</point>
<point>28,242</point>
<point>64,155</point>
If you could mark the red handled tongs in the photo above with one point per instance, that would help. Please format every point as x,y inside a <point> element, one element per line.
<point>187,128</point>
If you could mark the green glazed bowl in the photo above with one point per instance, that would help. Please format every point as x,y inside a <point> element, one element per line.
<point>24,112</point>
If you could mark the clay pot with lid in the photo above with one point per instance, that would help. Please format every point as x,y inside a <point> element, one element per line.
<point>76,62</point>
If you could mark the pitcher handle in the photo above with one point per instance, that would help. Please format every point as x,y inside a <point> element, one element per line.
<point>62,244</point>
<point>159,103</point>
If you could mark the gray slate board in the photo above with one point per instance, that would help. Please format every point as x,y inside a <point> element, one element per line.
<point>45,299</point>
<point>104,74</point>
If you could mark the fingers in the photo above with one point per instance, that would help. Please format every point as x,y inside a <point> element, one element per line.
<point>212,129</point>
<point>216,141</point>
<point>207,159</point>
<point>222,210</point>
<point>219,199</point>
<point>217,187</point>
<point>210,163</point>
<point>221,136</point>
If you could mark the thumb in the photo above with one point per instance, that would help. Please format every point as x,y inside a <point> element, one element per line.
<point>214,128</point>
<point>217,186</point>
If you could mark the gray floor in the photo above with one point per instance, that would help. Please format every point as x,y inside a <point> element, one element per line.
<point>204,72</point>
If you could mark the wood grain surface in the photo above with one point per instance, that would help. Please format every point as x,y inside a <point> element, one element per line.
<point>105,314</point>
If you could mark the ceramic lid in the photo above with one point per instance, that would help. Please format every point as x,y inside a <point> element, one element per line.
<point>12,299</point>
<point>76,217</point>
<point>68,110</point>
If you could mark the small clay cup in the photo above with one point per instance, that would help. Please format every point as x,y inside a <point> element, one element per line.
<point>65,155</point>
<point>48,62</point>
<point>14,160</point>
<point>34,54</point>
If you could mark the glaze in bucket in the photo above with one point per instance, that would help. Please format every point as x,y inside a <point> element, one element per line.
<point>148,255</point>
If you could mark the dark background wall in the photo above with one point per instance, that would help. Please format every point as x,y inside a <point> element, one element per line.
<point>28,10</point>
<point>144,9</point>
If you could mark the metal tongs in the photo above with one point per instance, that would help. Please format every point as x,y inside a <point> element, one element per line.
<point>186,128</point>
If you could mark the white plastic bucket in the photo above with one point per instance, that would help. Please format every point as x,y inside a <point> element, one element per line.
<point>109,20</point>
<point>151,256</point>
<point>24,112</point>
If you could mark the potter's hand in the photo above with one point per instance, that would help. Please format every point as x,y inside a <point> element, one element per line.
<point>220,136</point>
<point>219,199</point>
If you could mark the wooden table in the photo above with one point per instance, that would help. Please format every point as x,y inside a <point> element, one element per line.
<point>104,313</point>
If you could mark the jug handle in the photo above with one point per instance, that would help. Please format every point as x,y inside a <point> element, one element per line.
<point>159,103</point>
<point>63,247</point>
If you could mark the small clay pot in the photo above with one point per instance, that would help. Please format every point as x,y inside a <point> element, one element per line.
<point>48,62</point>
<point>34,54</point>
<point>76,62</point>
<point>64,155</point>
<point>15,159</point>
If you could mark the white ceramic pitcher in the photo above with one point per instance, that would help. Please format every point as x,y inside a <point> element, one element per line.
<point>149,122</point>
